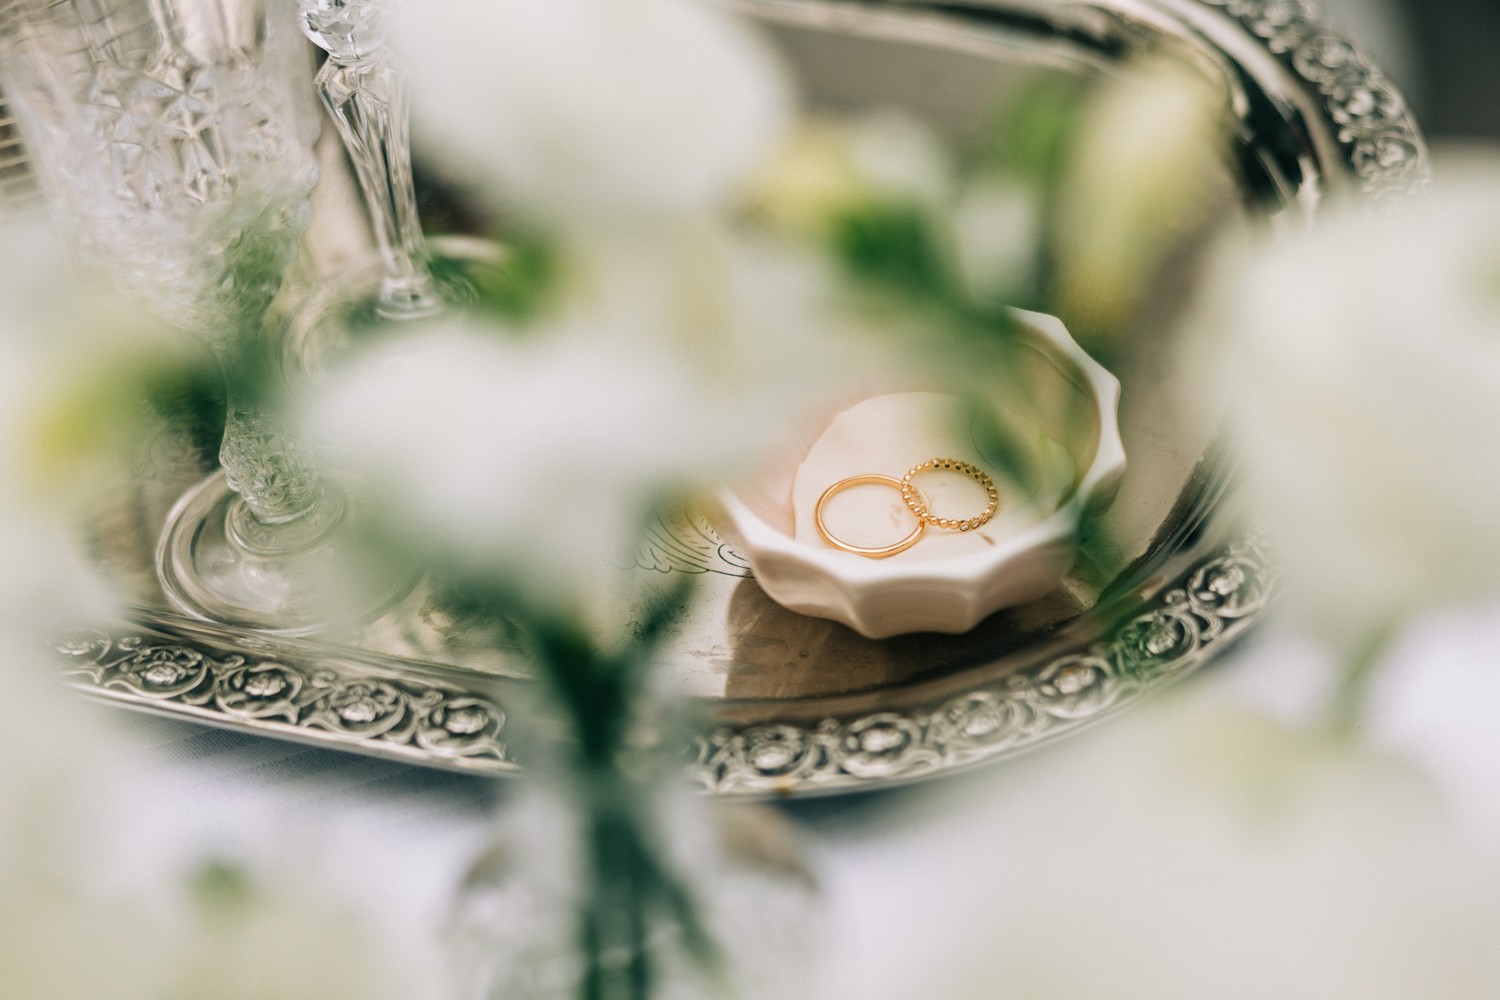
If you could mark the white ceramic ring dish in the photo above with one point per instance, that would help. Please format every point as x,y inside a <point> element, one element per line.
<point>884,597</point>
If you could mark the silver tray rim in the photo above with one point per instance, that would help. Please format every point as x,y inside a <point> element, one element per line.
<point>1205,589</point>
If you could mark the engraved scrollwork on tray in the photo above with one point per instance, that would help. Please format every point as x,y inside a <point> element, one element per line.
<point>343,703</point>
<point>261,691</point>
<point>1373,123</point>
<point>684,541</point>
<point>455,722</point>
<point>373,713</point>
<point>1187,624</point>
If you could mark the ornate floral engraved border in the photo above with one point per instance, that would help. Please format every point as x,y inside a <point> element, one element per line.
<point>1180,629</point>
<point>456,722</point>
<point>1374,126</point>
<point>337,703</point>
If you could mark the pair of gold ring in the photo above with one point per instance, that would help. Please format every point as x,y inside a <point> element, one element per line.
<point>914,501</point>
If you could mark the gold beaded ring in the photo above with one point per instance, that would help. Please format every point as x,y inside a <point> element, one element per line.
<point>918,505</point>
<point>869,552</point>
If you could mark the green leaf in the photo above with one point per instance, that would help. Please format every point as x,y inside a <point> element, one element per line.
<point>892,244</point>
<point>220,885</point>
<point>1029,137</point>
<point>522,285</point>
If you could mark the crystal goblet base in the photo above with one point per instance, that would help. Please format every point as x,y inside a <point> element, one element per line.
<point>216,561</point>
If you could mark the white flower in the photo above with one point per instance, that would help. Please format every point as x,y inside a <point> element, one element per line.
<point>995,229</point>
<point>168,942</point>
<point>1429,700</point>
<point>47,585</point>
<point>55,310</point>
<point>898,157</point>
<point>1195,850</point>
<point>829,166</point>
<point>69,416</point>
<point>91,909</point>
<point>1360,362</point>
<point>1144,170</point>
<point>517,449</point>
<point>323,950</point>
<point>57,329</point>
<point>540,452</point>
<point>584,111</point>
<point>58,946</point>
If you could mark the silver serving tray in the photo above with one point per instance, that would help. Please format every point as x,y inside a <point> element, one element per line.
<point>794,705</point>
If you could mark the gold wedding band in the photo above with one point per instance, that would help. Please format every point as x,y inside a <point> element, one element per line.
<point>878,552</point>
<point>918,506</point>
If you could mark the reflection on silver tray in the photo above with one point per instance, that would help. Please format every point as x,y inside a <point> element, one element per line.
<point>793,704</point>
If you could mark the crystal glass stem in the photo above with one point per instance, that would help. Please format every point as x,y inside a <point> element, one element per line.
<point>368,101</point>
<point>284,503</point>
<point>277,487</point>
<point>261,459</point>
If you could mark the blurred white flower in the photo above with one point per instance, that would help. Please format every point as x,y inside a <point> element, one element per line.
<point>58,946</point>
<point>591,111</point>
<point>541,452</point>
<point>48,585</point>
<point>1195,850</point>
<point>996,227</point>
<point>70,352</point>
<point>55,310</point>
<point>894,156</point>
<point>323,949</point>
<point>57,331</point>
<point>42,783</point>
<point>828,166</point>
<point>542,455</point>
<point>174,940</point>
<point>1431,699</point>
<point>1142,174</point>
<point>77,923</point>
<point>79,919</point>
<point>1360,362</point>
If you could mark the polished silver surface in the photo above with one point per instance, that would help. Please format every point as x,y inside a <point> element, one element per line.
<point>792,705</point>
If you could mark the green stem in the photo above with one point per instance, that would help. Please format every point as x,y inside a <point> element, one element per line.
<point>640,968</point>
<point>591,987</point>
<point>627,885</point>
<point>615,918</point>
<point>1350,700</point>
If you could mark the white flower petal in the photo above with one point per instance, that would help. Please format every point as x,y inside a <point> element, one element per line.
<point>588,110</point>
<point>1361,365</point>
